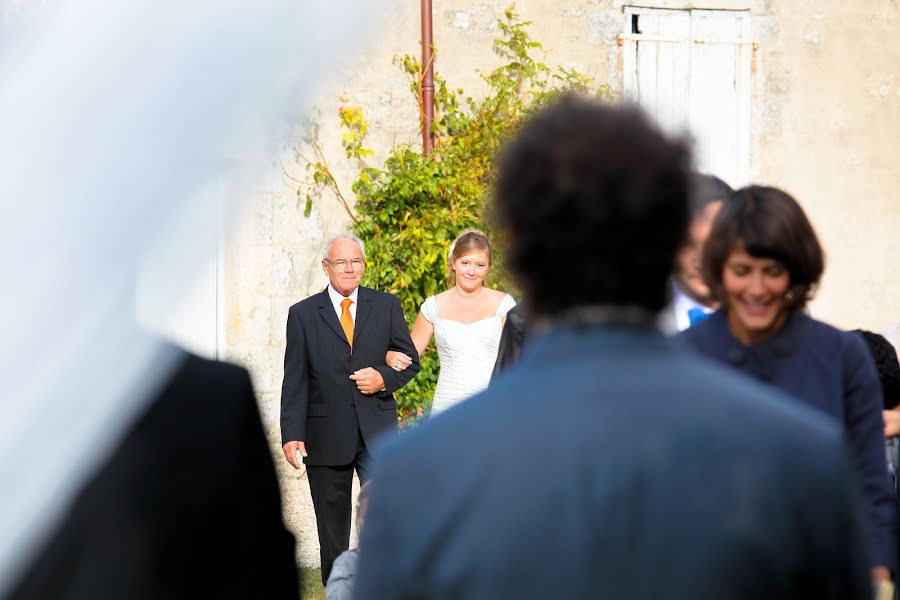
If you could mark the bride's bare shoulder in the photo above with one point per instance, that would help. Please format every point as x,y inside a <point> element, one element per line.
<point>495,295</point>
<point>442,297</point>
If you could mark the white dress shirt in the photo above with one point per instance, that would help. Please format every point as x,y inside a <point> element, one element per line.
<point>336,300</point>
<point>682,304</point>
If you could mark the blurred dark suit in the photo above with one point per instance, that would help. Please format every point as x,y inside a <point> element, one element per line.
<point>609,464</point>
<point>512,339</point>
<point>187,506</point>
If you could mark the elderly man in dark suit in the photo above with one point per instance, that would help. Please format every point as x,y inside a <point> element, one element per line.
<point>337,396</point>
<point>608,463</point>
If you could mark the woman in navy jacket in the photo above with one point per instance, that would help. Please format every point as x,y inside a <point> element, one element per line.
<point>763,262</point>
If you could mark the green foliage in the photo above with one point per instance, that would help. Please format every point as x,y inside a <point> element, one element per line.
<point>311,587</point>
<point>410,209</point>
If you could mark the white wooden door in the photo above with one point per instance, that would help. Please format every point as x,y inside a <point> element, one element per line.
<point>690,69</point>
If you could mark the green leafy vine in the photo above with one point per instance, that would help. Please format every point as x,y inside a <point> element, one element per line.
<point>409,209</point>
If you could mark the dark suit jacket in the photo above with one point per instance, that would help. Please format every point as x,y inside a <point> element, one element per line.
<point>511,340</point>
<point>187,506</point>
<point>831,371</point>
<point>608,464</point>
<point>320,404</point>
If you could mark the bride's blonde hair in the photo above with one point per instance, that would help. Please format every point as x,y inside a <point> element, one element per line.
<point>468,241</point>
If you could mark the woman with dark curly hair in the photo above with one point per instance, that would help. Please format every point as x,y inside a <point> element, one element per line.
<point>763,262</point>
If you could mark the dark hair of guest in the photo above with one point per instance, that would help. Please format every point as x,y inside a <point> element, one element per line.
<point>767,223</point>
<point>705,189</point>
<point>593,199</point>
<point>885,357</point>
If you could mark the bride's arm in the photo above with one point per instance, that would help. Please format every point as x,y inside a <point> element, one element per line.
<point>421,334</point>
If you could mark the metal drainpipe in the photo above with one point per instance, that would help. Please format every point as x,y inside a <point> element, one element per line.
<point>427,79</point>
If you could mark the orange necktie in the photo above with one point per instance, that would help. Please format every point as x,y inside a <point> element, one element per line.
<point>347,320</point>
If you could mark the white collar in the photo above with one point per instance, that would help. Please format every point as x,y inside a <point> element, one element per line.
<point>682,304</point>
<point>337,298</point>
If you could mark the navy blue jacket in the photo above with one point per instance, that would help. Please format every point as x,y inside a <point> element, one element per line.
<point>832,371</point>
<point>607,463</point>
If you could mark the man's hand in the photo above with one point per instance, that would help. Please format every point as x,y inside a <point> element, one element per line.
<point>883,588</point>
<point>290,452</point>
<point>368,380</point>
<point>891,422</point>
<point>397,360</point>
<point>882,584</point>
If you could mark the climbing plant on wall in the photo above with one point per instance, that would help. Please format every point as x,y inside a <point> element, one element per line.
<point>409,209</point>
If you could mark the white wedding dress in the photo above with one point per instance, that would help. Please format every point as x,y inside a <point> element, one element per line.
<point>467,353</point>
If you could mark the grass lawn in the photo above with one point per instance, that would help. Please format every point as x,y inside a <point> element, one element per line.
<point>311,587</point>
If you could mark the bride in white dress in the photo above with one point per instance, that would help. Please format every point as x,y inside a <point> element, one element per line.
<point>466,322</point>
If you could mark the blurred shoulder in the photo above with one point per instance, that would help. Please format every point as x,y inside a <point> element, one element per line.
<point>704,387</point>
<point>432,449</point>
<point>345,567</point>
<point>194,371</point>
<point>708,333</point>
<point>310,302</point>
<point>199,401</point>
<point>825,336</point>
<point>494,295</point>
<point>207,387</point>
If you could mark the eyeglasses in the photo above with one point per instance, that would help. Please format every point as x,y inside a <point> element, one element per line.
<point>356,263</point>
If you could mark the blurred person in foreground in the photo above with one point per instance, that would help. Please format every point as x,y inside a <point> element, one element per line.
<point>186,506</point>
<point>512,338</point>
<point>128,469</point>
<point>607,462</point>
<point>691,297</point>
<point>763,261</point>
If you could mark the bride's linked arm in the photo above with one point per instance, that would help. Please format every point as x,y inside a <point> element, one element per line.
<point>421,334</point>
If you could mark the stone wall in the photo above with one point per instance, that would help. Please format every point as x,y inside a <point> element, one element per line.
<point>829,132</point>
<point>825,125</point>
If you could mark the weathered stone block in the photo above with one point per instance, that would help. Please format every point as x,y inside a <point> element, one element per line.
<point>460,20</point>
<point>604,27</point>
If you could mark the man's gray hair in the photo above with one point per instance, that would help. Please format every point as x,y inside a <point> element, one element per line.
<point>346,235</point>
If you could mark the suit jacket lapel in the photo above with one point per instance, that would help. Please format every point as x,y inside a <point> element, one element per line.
<point>363,309</point>
<point>326,310</point>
